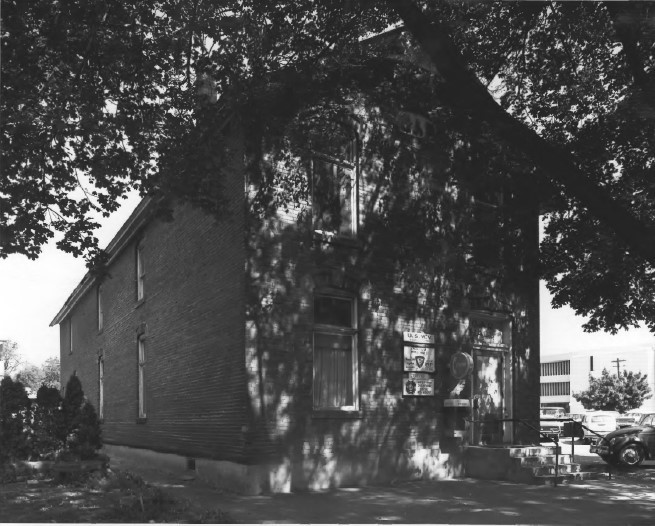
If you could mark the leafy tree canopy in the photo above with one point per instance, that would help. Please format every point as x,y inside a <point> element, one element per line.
<point>35,376</point>
<point>9,356</point>
<point>104,96</point>
<point>611,392</point>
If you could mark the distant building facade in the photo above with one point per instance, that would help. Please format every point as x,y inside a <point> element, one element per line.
<point>568,373</point>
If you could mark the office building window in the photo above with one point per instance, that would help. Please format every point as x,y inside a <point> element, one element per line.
<point>556,368</point>
<point>556,389</point>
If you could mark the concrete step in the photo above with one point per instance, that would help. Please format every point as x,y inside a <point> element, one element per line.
<point>530,451</point>
<point>550,470</point>
<point>570,478</point>
<point>541,460</point>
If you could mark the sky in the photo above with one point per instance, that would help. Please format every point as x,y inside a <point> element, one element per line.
<point>32,292</point>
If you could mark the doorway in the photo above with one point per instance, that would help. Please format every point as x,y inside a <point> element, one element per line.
<point>491,380</point>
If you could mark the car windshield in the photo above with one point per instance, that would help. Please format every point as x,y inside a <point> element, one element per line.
<point>552,412</point>
<point>646,420</point>
<point>601,419</point>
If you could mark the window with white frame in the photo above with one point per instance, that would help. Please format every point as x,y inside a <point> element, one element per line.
<point>140,272</point>
<point>142,376</point>
<point>101,388</point>
<point>70,335</point>
<point>335,353</point>
<point>101,320</point>
<point>334,201</point>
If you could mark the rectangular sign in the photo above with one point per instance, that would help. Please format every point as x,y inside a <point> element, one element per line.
<point>455,433</point>
<point>457,402</point>
<point>418,359</point>
<point>418,384</point>
<point>418,337</point>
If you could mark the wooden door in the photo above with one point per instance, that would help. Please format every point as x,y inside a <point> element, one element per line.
<point>488,396</point>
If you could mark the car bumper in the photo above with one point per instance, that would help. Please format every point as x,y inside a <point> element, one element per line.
<point>600,449</point>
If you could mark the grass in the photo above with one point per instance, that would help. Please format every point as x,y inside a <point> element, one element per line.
<point>110,497</point>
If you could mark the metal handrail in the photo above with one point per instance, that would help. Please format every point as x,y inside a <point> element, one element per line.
<point>526,422</point>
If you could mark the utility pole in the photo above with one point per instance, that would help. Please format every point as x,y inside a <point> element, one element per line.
<point>618,363</point>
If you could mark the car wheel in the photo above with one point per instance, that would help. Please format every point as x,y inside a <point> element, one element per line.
<point>631,455</point>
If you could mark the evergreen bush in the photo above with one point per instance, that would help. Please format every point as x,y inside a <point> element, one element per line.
<point>83,433</point>
<point>14,421</point>
<point>48,426</point>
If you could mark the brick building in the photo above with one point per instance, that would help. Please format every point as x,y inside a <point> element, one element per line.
<point>366,330</point>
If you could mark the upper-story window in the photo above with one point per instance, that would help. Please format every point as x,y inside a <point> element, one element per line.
<point>334,205</point>
<point>335,353</point>
<point>70,335</point>
<point>101,320</point>
<point>334,184</point>
<point>140,272</point>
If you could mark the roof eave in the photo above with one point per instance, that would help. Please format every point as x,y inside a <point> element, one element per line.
<point>114,248</point>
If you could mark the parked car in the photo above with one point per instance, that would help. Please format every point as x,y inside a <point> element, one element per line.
<point>597,424</point>
<point>629,446</point>
<point>550,424</point>
<point>628,419</point>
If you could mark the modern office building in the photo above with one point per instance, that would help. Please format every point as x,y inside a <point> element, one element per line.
<point>568,373</point>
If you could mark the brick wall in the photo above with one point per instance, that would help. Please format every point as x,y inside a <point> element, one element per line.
<point>410,273</point>
<point>191,319</point>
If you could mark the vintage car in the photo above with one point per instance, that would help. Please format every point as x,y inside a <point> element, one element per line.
<point>628,419</point>
<point>597,424</point>
<point>629,446</point>
<point>551,421</point>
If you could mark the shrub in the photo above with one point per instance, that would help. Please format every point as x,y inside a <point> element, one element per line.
<point>83,433</point>
<point>14,421</point>
<point>48,426</point>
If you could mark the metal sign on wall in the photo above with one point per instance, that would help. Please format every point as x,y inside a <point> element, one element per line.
<point>418,337</point>
<point>418,384</point>
<point>418,364</point>
<point>419,359</point>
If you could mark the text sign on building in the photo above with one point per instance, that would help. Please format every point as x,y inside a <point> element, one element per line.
<point>457,402</point>
<point>418,337</point>
<point>419,359</point>
<point>418,384</point>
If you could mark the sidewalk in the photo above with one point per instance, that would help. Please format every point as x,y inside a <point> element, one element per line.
<point>623,500</point>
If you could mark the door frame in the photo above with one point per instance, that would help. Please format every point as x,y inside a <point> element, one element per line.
<point>504,347</point>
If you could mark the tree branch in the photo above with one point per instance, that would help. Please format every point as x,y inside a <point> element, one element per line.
<point>462,89</point>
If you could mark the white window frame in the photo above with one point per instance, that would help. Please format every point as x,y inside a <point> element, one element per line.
<point>70,335</point>
<point>140,273</point>
<point>141,376</point>
<point>340,331</point>
<point>351,169</point>
<point>101,317</point>
<point>101,388</point>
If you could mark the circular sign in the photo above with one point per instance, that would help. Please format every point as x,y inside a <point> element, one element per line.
<point>461,365</point>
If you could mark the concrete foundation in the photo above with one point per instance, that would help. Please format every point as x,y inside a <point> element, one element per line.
<point>240,478</point>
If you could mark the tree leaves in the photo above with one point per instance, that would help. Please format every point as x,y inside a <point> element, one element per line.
<point>105,96</point>
<point>610,392</point>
